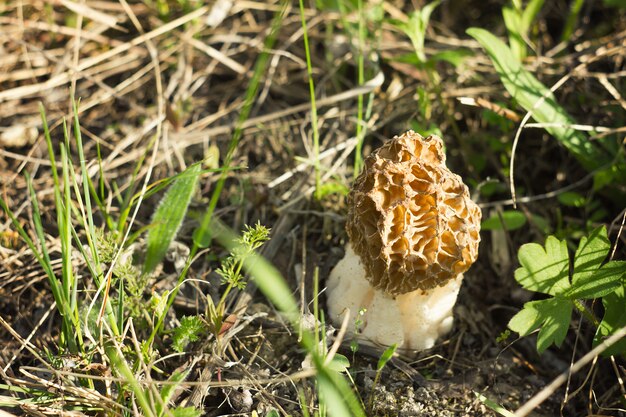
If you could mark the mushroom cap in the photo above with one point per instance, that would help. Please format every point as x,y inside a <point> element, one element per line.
<point>410,219</point>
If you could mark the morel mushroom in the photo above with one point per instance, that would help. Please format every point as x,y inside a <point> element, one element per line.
<point>413,232</point>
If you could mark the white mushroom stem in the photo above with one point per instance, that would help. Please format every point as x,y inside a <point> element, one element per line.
<point>413,321</point>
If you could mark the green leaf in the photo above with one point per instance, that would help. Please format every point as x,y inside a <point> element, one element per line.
<point>337,394</point>
<point>333,187</point>
<point>339,363</point>
<point>169,216</point>
<point>528,91</point>
<point>600,283</point>
<point>513,22</point>
<point>552,315</point>
<point>511,220</point>
<point>558,314</point>
<point>589,279</point>
<point>591,252</point>
<point>189,331</point>
<point>416,26</point>
<point>186,412</point>
<point>544,270</point>
<point>266,276</point>
<point>530,13</point>
<point>526,320</point>
<point>614,319</point>
<point>386,357</point>
<point>456,57</point>
<point>571,199</point>
<point>493,405</point>
<point>169,390</point>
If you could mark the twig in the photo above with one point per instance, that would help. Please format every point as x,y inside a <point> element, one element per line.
<point>545,393</point>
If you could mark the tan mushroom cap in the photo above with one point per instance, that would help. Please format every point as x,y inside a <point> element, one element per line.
<point>410,219</point>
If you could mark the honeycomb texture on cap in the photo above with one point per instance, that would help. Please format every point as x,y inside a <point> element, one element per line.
<point>410,219</point>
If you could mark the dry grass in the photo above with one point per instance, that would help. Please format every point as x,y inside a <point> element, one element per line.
<point>169,89</point>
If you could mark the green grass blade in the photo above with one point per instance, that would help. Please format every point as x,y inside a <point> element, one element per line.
<point>336,391</point>
<point>202,235</point>
<point>493,405</point>
<point>68,280</point>
<point>90,232</point>
<point>169,216</point>
<point>534,97</point>
<point>530,13</point>
<point>121,368</point>
<point>314,128</point>
<point>572,18</point>
<point>46,263</point>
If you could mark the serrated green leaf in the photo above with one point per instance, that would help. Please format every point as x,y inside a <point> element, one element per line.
<point>544,270</point>
<point>169,216</point>
<point>601,282</point>
<point>591,252</point>
<point>189,331</point>
<point>511,220</point>
<point>552,315</point>
<point>613,320</point>
<point>526,320</point>
<point>557,312</point>
<point>528,91</point>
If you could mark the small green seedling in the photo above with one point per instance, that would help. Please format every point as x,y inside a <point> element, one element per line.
<point>382,361</point>
<point>546,269</point>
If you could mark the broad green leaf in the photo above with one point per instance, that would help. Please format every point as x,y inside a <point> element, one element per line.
<point>513,22</point>
<point>511,220</point>
<point>614,319</point>
<point>544,270</point>
<point>169,216</point>
<point>557,313</point>
<point>591,252</point>
<point>552,315</point>
<point>528,91</point>
<point>527,319</point>
<point>600,283</point>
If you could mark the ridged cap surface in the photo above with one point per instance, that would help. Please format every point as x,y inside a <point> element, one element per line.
<point>410,219</point>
